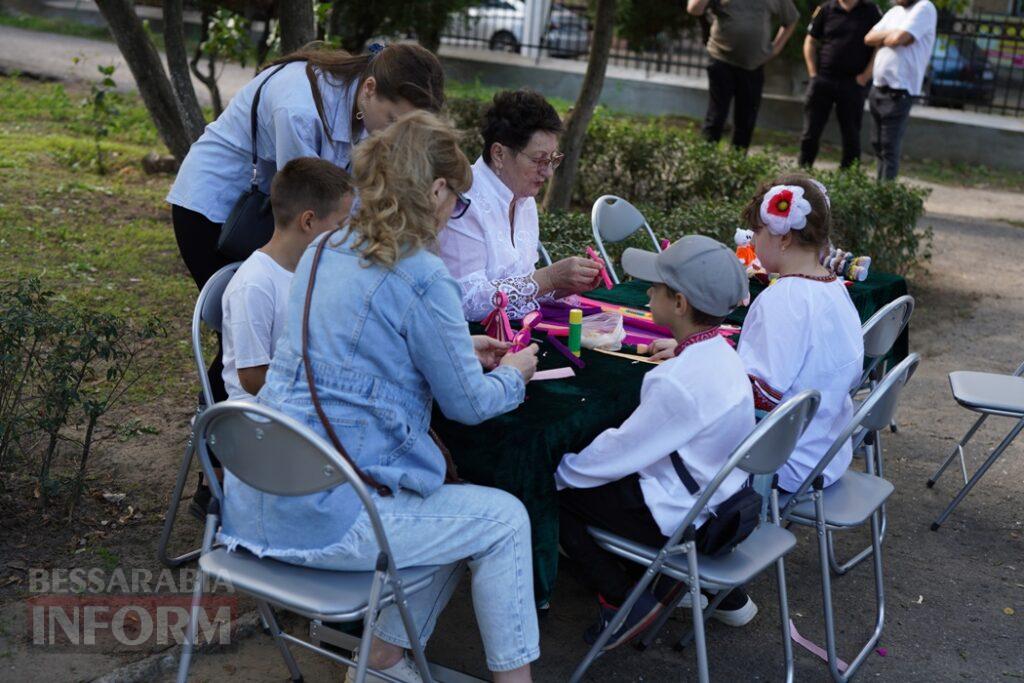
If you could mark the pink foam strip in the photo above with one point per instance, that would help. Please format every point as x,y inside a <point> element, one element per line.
<point>813,648</point>
<point>557,373</point>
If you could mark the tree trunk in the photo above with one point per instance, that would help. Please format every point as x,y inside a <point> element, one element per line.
<point>177,65</point>
<point>208,79</point>
<point>559,193</point>
<point>297,22</point>
<point>150,77</point>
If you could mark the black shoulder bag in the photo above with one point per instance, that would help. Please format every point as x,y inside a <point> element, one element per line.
<point>250,224</point>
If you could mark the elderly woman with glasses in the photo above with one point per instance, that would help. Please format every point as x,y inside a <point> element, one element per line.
<point>492,245</point>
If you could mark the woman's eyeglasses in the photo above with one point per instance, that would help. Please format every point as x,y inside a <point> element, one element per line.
<point>545,161</point>
<point>461,205</point>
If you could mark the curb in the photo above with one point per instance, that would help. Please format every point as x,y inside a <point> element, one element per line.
<point>164,662</point>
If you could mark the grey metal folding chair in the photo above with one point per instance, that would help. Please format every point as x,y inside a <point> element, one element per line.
<point>543,253</point>
<point>206,312</point>
<point>250,440</point>
<point>613,219</point>
<point>880,334</point>
<point>986,393</point>
<point>762,453</point>
<point>848,503</point>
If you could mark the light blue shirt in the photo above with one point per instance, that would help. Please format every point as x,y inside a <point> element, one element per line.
<point>218,167</point>
<point>384,344</point>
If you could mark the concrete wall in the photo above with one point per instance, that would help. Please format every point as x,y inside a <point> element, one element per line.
<point>933,133</point>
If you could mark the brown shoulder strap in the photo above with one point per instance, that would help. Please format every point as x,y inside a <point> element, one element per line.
<point>332,435</point>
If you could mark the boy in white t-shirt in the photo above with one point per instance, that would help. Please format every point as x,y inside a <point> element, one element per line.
<point>641,479</point>
<point>309,196</point>
<point>904,37</point>
<point>803,332</point>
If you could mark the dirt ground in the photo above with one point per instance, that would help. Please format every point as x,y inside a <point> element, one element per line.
<point>955,598</point>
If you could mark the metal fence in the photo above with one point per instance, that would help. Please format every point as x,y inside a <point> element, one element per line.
<point>977,64</point>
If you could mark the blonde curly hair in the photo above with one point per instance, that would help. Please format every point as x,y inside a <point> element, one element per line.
<point>393,170</point>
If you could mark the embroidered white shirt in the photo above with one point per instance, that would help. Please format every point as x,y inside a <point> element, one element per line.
<point>486,254</point>
<point>801,334</point>
<point>698,404</point>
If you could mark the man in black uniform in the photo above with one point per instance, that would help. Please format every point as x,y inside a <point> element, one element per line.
<point>839,67</point>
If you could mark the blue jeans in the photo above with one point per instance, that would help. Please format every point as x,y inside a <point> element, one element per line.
<point>891,112</point>
<point>457,525</point>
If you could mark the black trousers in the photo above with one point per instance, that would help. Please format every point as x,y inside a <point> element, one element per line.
<point>725,84</point>
<point>848,98</point>
<point>619,508</point>
<point>890,110</point>
<point>197,242</point>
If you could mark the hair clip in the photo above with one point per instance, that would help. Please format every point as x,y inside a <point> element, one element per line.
<point>784,208</point>
<point>375,49</point>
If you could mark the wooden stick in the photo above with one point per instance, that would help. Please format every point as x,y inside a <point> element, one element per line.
<point>628,356</point>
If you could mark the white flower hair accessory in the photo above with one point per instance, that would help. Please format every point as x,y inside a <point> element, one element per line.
<point>784,208</point>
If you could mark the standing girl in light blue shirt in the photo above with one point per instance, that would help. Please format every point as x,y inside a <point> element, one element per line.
<point>320,104</point>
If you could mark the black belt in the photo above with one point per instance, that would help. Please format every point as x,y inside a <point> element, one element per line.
<point>886,90</point>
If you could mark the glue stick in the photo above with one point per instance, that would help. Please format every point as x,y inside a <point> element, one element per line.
<point>575,330</point>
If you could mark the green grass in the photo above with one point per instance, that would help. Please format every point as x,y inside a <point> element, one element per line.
<point>102,241</point>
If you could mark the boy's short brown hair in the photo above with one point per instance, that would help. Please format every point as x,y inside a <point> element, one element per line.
<point>307,184</point>
<point>819,223</point>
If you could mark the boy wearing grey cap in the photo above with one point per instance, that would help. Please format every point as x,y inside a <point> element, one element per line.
<point>641,479</point>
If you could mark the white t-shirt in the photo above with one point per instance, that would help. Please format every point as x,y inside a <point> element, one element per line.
<point>255,306</point>
<point>698,405</point>
<point>801,334</point>
<point>903,68</point>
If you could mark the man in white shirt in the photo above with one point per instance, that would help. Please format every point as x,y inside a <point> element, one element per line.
<point>904,37</point>
<point>309,196</point>
<point>641,479</point>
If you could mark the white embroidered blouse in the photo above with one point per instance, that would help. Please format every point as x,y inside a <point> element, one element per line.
<point>486,254</point>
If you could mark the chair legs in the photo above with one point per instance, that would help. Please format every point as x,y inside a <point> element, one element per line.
<point>838,675</point>
<point>874,465</point>
<point>978,474</point>
<point>958,450</point>
<point>275,632</point>
<point>172,511</point>
<point>652,571</point>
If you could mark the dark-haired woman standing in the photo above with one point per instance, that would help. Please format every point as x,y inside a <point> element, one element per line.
<point>320,104</point>
<point>493,247</point>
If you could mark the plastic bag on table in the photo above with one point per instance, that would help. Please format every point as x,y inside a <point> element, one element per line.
<point>603,331</point>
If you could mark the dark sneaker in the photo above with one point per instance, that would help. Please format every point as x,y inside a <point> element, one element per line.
<point>737,609</point>
<point>200,502</point>
<point>643,614</point>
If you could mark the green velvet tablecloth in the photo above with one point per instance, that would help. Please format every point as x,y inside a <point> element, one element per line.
<point>518,452</point>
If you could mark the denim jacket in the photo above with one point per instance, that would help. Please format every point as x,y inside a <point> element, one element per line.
<point>384,344</point>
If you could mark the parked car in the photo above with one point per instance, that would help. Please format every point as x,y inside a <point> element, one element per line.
<point>499,24</point>
<point>959,74</point>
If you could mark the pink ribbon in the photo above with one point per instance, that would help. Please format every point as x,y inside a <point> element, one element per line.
<point>812,647</point>
<point>497,324</point>
<point>596,258</point>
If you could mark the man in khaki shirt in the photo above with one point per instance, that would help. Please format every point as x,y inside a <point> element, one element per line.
<point>742,40</point>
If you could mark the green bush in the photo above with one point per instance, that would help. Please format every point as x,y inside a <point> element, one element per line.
<point>684,185</point>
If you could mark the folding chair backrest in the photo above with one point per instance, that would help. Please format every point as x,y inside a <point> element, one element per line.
<point>883,328</point>
<point>208,312</point>
<point>275,454</point>
<point>613,219</point>
<point>543,253</point>
<point>764,450</point>
<point>874,414</point>
<point>773,440</point>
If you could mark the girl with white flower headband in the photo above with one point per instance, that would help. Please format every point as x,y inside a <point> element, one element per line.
<point>803,332</point>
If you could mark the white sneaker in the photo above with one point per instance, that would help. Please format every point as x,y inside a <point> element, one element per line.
<point>688,602</point>
<point>403,670</point>
<point>738,616</point>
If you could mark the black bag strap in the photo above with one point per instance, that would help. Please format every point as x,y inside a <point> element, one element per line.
<point>684,473</point>
<point>253,121</point>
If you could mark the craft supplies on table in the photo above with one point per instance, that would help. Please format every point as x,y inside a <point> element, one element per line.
<point>575,331</point>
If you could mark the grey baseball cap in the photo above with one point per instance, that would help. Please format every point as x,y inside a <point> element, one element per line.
<point>703,270</point>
